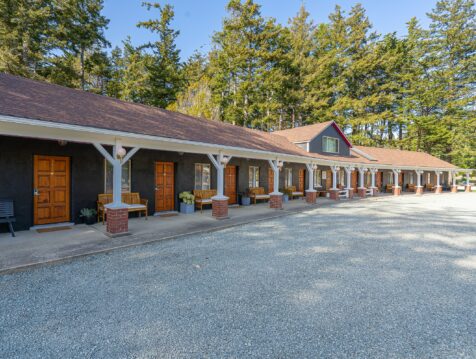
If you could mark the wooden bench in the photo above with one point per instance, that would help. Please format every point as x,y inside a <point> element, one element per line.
<point>321,193</point>
<point>132,200</point>
<point>203,197</point>
<point>257,193</point>
<point>291,192</point>
<point>430,187</point>
<point>389,188</point>
<point>411,187</point>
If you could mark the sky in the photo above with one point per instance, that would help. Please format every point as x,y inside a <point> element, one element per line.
<point>197,20</point>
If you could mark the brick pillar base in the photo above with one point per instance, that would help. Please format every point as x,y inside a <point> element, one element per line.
<point>454,189</point>
<point>467,188</point>
<point>419,190</point>
<point>351,192</point>
<point>397,191</point>
<point>334,194</point>
<point>311,196</point>
<point>276,201</point>
<point>438,189</point>
<point>220,208</point>
<point>117,221</point>
<point>362,192</point>
<point>374,191</point>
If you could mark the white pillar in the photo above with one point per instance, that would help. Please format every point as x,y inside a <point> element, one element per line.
<point>467,178</point>
<point>310,170</point>
<point>334,170</point>
<point>418,173</point>
<point>361,177</point>
<point>348,172</point>
<point>276,165</point>
<point>396,172</point>
<point>373,171</point>
<point>438,173</point>
<point>453,178</point>
<point>219,163</point>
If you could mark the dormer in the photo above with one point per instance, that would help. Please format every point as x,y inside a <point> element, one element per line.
<point>325,138</point>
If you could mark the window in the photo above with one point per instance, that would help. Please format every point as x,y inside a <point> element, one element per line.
<point>330,144</point>
<point>368,179</point>
<point>428,178</point>
<point>288,177</point>
<point>341,178</point>
<point>411,177</point>
<point>202,176</point>
<point>125,180</point>
<point>390,177</point>
<point>317,178</point>
<point>253,177</point>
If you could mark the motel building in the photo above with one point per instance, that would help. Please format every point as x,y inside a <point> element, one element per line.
<point>62,150</point>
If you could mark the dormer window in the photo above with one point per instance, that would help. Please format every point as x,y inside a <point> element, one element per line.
<point>330,144</point>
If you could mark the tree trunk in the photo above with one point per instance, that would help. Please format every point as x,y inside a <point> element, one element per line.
<point>81,59</point>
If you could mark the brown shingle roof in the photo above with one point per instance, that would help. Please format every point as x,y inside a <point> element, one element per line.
<point>303,133</point>
<point>21,97</point>
<point>397,157</point>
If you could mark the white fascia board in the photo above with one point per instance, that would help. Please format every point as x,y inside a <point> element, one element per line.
<point>362,153</point>
<point>24,127</point>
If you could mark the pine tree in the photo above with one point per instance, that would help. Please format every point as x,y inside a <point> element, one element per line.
<point>80,34</point>
<point>164,67</point>
<point>25,36</point>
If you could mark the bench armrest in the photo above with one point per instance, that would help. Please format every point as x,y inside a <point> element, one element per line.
<point>144,201</point>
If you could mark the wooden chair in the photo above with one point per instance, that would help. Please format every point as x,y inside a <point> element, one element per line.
<point>257,193</point>
<point>132,199</point>
<point>430,187</point>
<point>7,214</point>
<point>203,197</point>
<point>389,188</point>
<point>411,187</point>
<point>291,192</point>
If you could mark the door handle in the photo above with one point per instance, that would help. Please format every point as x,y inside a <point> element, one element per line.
<point>36,192</point>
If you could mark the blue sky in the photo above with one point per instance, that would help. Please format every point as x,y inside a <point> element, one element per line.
<point>198,19</point>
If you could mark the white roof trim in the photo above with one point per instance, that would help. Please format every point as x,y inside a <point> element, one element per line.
<point>25,127</point>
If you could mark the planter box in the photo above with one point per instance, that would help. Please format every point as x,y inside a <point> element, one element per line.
<point>245,201</point>
<point>187,208</point>
<point>89,220</point>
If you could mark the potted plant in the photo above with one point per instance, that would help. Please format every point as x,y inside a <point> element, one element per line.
<point>187,205</point>
<point>245,199</point>
<point>285,196</point>
<point>88,215</point>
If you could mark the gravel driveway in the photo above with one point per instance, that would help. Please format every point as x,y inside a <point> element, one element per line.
<point>380,278</point>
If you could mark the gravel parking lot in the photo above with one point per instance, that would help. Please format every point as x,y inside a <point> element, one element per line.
<point>378,278</point>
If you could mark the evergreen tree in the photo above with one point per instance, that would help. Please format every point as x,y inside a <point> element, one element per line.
<point>25,36</point>
<point>79,33</point>
<point>164,68</point>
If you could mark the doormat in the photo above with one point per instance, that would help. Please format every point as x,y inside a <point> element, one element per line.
<point>166,214</point>
<point>52,229</point>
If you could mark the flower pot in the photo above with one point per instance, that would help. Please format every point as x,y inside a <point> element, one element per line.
<point>89,220</point>
<point>285,198</point>
<point>186,208</point>
<point>245,200</point>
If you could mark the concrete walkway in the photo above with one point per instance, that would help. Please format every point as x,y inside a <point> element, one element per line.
<point>30,248</point>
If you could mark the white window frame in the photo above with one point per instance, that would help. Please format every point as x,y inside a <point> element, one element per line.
<point>341,178</point>
<point>317,178</point>
<point>390,177</point>
<point>288,177</point>
<point>411,178</point>
<point>202,187</point>
<point>124,189</point>
<point>325,147</point>
<point>428,178</point>
<point>253,176</point>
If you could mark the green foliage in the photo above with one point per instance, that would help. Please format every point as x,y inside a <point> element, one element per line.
<point>187,197</point>
<point>87,212</point>
<point>415,92</point>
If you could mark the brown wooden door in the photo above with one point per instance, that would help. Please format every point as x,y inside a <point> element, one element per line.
<point>270,180</point>
<point>51,183</point>
<point>400,179</point>
<point>230,184</point>
<point>302,176</point>
<point>354,180</point>
<point>164,186</point>
<point>328,179</point>
<point>379,180</point>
